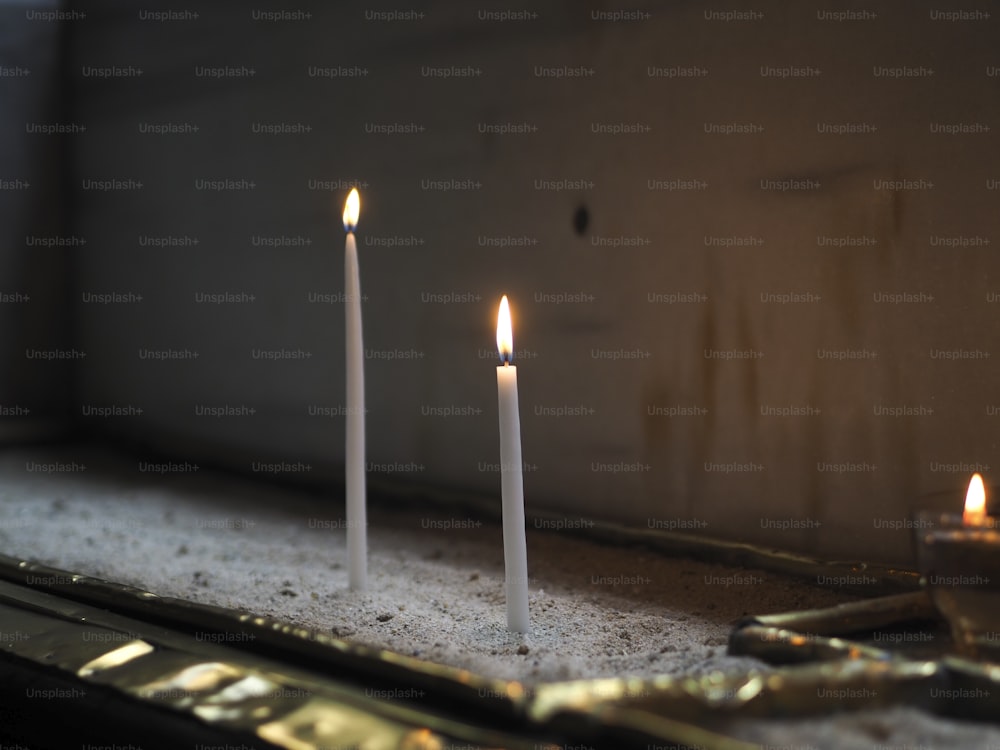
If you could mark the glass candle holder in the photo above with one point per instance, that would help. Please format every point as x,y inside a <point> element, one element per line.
<point>959,565</point>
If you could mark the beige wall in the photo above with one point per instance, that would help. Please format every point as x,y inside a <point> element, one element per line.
<point>844,473</point>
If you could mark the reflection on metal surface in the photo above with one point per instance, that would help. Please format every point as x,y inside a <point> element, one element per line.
<point>780,646</point>
<point>421,739</point>
<point>112,659</point>
<point>187,682</point>
<point>216,684</point>
<point>321,723</point>
<point>853,617</point>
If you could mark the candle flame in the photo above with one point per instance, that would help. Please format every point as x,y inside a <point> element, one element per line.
<point>505,335</point>
<point>352,208</point>
<point>975,502</point>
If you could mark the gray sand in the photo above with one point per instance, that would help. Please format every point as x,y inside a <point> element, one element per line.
<point>435,582</point>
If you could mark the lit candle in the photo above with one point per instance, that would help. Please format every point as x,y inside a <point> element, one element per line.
<point>515,548</point>
<point>958,557</point>
<point>357,543</point>
<point>975,502</point>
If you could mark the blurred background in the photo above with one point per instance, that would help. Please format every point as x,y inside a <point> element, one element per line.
<point>749,251</point>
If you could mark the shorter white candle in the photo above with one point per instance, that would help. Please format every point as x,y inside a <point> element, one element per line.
<point>354,459</point>
<point>515,548</point>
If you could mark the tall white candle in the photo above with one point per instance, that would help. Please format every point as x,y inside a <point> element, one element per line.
<point>515,548</point>
<point>357,527</point>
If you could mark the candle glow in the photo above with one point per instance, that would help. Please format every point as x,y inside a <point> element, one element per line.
<point>505,335</point>
<point>352,209</point>
<point>975,502</point>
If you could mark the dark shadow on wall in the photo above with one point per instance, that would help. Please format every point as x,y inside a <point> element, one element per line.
<point>38,246</point>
